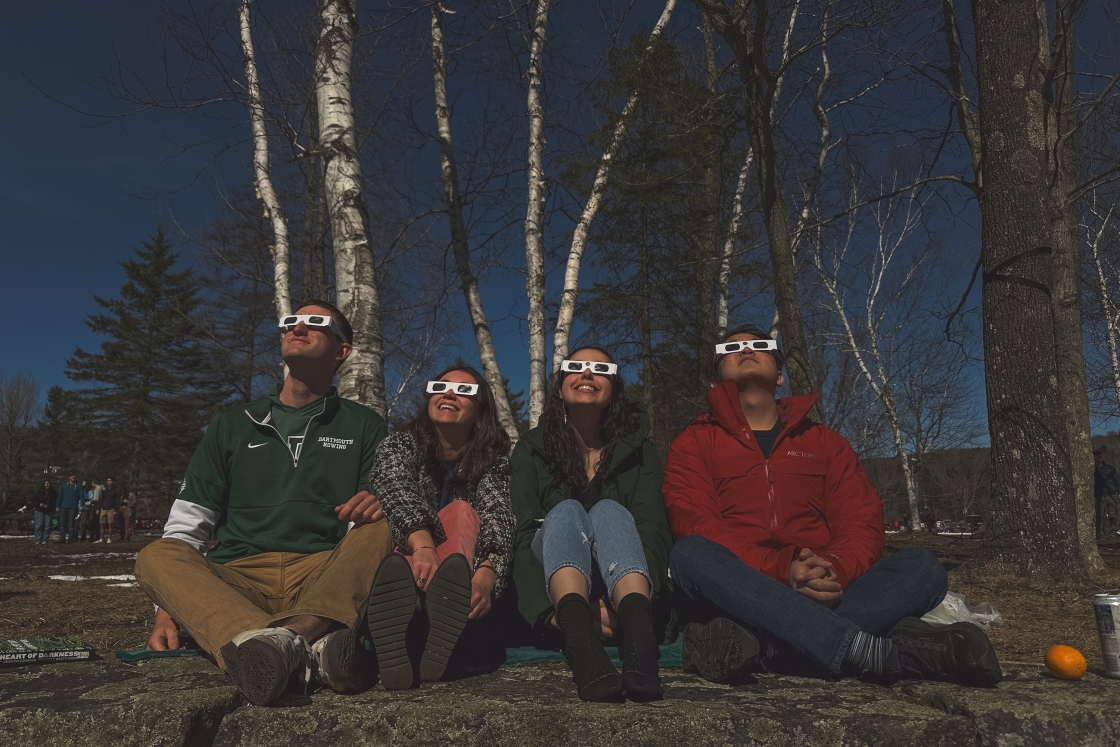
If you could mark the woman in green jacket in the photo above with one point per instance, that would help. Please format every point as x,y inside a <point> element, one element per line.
<point>586,493</point>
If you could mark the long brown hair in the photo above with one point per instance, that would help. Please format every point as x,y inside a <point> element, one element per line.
<point>489,441</point>
<point>617,421</point>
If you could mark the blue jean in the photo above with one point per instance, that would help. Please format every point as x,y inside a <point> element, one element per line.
<point>42,526</point>
<point>908,583</point>
<point>66,517</point>
<point>572,537</point>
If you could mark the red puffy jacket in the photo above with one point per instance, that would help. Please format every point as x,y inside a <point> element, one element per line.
<point>812,491</point>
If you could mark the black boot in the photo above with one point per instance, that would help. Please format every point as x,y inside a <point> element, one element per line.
<point>639,649</point>
<point>596,678</point>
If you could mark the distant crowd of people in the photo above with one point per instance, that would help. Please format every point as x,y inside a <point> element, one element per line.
<point>87,511</point>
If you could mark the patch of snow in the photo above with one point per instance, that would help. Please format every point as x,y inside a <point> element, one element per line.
<point>119,577</point>
<point>125,584</point>
<point>15,536</point>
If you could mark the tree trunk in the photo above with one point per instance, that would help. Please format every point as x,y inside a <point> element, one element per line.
<point>1108,307</point>
<point>362,377</point>
<point>706,253</point>
<point>729,247</point>
<point>1032,528</point>
<point>759,88</point>
<point>647,322</point>
<point>459,242</point>
<point>567,312</point>
<point>534,222</point>
<point>280,249</point>
<point>966,117</point>
<point>1069,344</point>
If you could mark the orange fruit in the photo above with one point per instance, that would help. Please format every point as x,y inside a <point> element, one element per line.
<point>1065,662</point>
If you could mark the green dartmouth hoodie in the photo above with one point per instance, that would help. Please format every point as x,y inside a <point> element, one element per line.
<point>266,493</point>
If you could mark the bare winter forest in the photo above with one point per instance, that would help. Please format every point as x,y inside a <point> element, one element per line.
<point>920,199</point>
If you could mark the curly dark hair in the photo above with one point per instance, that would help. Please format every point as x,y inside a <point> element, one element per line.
<point>618,420</point>
<point>488,443</point>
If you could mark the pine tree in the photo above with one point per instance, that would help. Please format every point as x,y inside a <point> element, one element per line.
<point>151,387</point>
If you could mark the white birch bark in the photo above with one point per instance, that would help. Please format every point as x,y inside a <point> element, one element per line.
<point>729,246</point>
<point>870,361</point>
<point>599,187</point>
<point>1109,309</point>
<point>362,377</point>
<point>534,221</point>
<point>280,249</point>
<point>459,242</point>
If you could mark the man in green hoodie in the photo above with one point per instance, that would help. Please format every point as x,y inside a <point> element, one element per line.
<point>281,483</point>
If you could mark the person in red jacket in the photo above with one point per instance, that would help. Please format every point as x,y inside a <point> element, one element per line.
<point>780,534</point>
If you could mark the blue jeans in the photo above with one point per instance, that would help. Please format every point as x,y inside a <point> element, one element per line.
<point>66,517</point>
<point>42,526</point>
<point>572,537</point>
<point>908,583</point>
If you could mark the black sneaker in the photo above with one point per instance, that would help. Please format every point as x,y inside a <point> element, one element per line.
<point>263,662</point>
<point>718,651</point>
<point>959,653</point>
<point>338,661</point>
<point>392,601</point>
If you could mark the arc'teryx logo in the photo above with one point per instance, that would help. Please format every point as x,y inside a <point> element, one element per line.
<point>335,443</point>
<point>805,454</point>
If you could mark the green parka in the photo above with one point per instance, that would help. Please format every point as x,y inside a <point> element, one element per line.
<point>634,480</point>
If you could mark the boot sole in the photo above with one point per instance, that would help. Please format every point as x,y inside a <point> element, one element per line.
<point>718,651</point>
<point>392,602</point>
<point>448,603</point>
<point>984,670</point>
<point>342,662</point>
<point>262,673</point>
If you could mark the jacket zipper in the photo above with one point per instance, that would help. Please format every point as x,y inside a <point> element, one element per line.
<point>303,439</point>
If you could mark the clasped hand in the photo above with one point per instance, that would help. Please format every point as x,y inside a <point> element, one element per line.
<point>812,576</point>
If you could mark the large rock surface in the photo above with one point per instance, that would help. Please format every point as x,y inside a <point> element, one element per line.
<point>189,702</point>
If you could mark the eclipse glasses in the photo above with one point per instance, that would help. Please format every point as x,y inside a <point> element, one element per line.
<point>314,321</point>
<point>735,347</point>
<point>602,369</point>
<point>439,387</point>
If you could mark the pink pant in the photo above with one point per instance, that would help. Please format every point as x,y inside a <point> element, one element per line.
<point>461,525</point>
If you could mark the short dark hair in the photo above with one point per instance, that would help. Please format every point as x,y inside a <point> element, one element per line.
<point>336,314</point>
<point>747,329</point>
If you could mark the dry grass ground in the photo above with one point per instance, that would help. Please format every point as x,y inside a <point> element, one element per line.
<point>114,617</point>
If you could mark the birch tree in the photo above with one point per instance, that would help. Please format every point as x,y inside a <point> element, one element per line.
<point>460,243</point>
<point>362,377</point>
<point>1101,225</point>
<point>534,219</point>
<point>880,288</point>
<point>566,314</point>
<point>265,192</point>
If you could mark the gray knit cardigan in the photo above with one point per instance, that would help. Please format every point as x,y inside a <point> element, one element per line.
<point>410,496</point>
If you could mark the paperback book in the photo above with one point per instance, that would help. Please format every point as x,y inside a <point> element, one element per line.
<point>31,650</point>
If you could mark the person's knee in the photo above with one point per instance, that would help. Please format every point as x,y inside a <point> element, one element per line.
<point>568,512</point>
<point>687,556</point>
<point>925,569</point>
<point>152,561</point>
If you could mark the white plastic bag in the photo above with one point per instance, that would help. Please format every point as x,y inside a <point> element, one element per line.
<point>955,608</point>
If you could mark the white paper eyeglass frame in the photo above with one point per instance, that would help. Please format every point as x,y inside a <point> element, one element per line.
<point>287,323</point>
<point>756,345</point>
<point>569,366</point>
<point>441,387</point>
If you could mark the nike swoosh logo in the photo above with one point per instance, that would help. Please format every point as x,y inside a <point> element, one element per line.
<point>253,446</point>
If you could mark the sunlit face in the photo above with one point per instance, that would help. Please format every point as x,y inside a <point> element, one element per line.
<point>450,408</point>
<point>587,389</point>
<point>758,366</point>
<point>303,344</point>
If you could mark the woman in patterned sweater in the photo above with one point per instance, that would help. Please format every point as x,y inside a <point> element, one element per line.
<point>444,487</point>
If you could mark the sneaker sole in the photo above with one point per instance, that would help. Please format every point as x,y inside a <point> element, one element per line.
<point>448,603</point>
<point>341,658</point>
<point>718,651</point>
<point>985,670</point>
<point>262,673</point>
<point>391,604</point>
